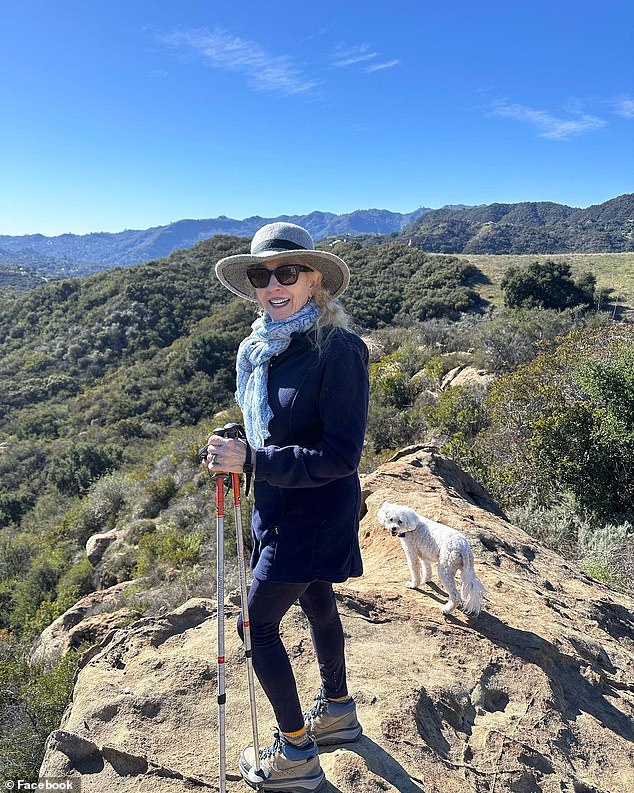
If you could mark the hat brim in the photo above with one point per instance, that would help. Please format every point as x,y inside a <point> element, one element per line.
<point>232,270</point>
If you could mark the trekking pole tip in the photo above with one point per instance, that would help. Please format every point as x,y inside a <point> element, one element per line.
<point>256,776</point>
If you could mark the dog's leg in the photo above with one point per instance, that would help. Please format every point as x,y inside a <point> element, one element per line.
<point>446,574</point>
<point>426,568</point>
<point>412,563</point>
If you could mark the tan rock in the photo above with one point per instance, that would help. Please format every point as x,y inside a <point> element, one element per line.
<point>536,694</point>
<point>57,639</point>
<point>92,630</point>
<point>466,376</point>
<point>97,544</point>
<point>446,381</point>
<point>473,377</point>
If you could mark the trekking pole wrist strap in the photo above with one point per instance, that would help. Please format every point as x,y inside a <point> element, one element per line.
<point>247,468</point>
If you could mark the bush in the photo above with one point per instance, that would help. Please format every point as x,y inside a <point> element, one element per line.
<point>81,464</point>
<point>35,586</point>
<point>396,282</point>
<point>168,547</point>
<point>32,701</point>
<point>158,493</point>
<point>14,505</point>
<point>393,418</point>
<point>556,526</point>
<point>547,284</point>
<point>458,416</point>
<point>16,553</point>
<point>565,422</point>
<point>515,336</point>
<point>99,510</point>
<point>607,554</point>
<point>605,551</point>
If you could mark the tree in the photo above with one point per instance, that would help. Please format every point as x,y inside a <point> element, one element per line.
<point>547,284</point>
<point>82,464</point>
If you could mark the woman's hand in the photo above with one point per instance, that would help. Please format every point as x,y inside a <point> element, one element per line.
<point>227,454</point>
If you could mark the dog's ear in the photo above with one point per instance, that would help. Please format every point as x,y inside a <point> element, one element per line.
<point>411,517</point>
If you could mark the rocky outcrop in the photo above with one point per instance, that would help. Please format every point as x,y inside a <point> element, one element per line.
<point>536,694</point>
<point>466,376</point>
<point>89,620</point>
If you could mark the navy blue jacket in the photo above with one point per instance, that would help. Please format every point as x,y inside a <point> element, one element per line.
<point>307,492</point>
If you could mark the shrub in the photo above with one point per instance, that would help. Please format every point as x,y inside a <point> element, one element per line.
<point>393,418</point>
<point>556,526</point>
<point>158,493</point>
<point>168,547</point>
<point>197,581</point>
<point>16,553</point>
<point>81,464</point>
<point>458,416</point>
<point>607,554</point>
<point>547,284</point>
<point>565,422</point>
<point>14,505</point>
<point>605,551</point>
<point>138,528</point>
<point>35,586</point>
<point>191,511</point>
<point>417,286</point>
<point>99,510</point>
<point>32,701</point>
<point>515,336</point>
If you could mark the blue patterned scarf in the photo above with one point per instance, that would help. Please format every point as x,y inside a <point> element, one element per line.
<point>268,338</point>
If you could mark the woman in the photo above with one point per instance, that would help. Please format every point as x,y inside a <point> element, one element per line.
<point>302,384</point>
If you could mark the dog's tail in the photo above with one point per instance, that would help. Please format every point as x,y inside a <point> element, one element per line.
<point>472,590</point>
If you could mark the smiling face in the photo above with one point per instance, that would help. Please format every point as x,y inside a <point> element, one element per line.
<point>280,302</point>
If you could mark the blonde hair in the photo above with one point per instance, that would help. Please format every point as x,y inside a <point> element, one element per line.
<point>331,310</point>
<point>332,315</point>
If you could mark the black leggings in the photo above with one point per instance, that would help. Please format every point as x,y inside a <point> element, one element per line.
<point>268,603</point>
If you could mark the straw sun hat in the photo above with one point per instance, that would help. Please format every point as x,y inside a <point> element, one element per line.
<point>283,242</point>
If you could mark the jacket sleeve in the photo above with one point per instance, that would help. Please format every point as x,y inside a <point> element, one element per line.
<point>343,410</point>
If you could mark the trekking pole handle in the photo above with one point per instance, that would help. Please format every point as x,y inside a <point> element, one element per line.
<point>231,430</point>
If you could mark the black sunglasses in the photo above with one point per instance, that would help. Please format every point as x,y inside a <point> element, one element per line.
<point>285,274</point>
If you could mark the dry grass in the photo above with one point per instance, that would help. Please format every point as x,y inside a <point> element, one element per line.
<point>612,270</point>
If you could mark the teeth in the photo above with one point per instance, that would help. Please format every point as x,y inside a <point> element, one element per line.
<point>278,302</point>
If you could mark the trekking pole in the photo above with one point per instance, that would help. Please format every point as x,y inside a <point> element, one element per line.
<point>219,479</point>
<point>220,589</point>
<point>256,775</point>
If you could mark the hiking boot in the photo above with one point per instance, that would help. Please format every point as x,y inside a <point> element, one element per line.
<point>332,722</point>
<point>284,766</point>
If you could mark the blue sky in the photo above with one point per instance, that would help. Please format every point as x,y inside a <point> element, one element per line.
<point>135,114</point>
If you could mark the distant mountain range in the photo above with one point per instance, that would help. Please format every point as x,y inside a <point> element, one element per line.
<point>82,254</point>
<point>524,228</point>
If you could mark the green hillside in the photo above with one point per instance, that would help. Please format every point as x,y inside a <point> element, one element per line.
<point>19,278</point>
<point>613,271</point>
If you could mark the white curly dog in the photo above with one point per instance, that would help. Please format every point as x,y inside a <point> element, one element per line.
<point>426,541</point>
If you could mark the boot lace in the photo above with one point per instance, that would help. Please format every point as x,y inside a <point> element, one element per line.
<point>275,748</point>
<point>320,706</point>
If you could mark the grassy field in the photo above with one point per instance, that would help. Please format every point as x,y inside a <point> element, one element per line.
<point>612,270</point>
